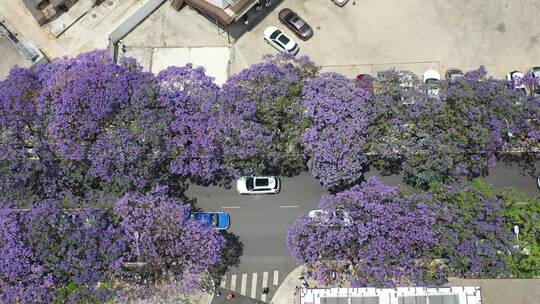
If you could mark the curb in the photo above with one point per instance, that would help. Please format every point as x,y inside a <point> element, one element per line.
<point>285,294</point>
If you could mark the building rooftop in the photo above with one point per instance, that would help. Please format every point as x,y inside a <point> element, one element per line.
<point>400,295</point>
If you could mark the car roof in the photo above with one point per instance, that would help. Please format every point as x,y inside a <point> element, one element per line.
<point>297,21</point>
<point>431,74</point>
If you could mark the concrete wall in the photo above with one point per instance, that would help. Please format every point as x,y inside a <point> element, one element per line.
<point>144,10</point>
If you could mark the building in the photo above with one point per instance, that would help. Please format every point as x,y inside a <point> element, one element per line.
<point>47,10</point>
<point>223,12</point>
<point>400,295</point>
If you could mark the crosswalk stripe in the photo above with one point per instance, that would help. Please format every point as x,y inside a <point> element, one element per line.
<point>264,284</point>
<point>223,280</point>
<point>243,286</point>
<point>276,277</point>
<point>254,285</point>
<point>233,282</point>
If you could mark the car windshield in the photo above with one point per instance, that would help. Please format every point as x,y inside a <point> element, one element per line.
<point>283,39</point>
<point>249,183</point>
<point>261,182</point>
<point>275,34</point>
<point>215,219</point>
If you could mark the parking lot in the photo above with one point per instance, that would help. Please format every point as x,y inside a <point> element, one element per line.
<point>409,34</point>
<point>372,35</point>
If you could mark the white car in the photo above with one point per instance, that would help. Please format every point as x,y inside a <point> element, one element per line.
<point>258,185</point>
<point>431,79</point>
<point>280,41</point>
<point>340,2</point>
<point>514,79</point>
<point>406,84</point>
<point>320,216</point>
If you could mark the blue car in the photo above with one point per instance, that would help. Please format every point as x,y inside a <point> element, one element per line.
<point>218,220</point>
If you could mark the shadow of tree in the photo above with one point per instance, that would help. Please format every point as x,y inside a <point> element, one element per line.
<point>232,252</point>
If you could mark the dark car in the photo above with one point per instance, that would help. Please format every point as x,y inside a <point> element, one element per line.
<point>365,81</point>
<point>452,75</point>
<point>295,23</point>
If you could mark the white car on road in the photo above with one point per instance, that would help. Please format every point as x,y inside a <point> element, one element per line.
<point>280,41</point>
<point>258,185</point>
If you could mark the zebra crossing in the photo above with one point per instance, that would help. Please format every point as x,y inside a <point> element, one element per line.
<point>250,284</point>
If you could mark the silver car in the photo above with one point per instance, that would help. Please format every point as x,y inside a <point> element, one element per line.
<point>258,185</point>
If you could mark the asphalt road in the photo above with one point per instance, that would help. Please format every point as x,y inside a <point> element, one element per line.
<point>261,221</point>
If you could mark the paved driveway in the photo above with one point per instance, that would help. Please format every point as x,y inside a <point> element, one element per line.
<point>412,34</point>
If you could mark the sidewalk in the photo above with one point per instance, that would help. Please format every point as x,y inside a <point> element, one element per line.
<point>494,291</point>
<point>286,291</point>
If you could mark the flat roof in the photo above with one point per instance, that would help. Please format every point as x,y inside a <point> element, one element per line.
<point>399,295</point>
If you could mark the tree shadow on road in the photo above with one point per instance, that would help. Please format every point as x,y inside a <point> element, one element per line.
<point>232,252</point>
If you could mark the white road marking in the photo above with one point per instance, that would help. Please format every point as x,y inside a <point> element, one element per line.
<point>254,285</point>
<point>233,282</point>
<point>276,277</point>
<point>223,280</point>
<point>264,284</point>
<point>243,285</point>
<point>231,207</point>
<point>295,206</point>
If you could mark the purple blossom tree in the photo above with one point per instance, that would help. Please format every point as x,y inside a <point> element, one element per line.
<point>23,277</point>
<point>50,255</point>
<point>189,112</point>
<point>170,247</point>
<point>476,242</point>
<point>372,233</point>
<point>78,125</point>
<point>334,143</point>
<point>461,134</point>
<point>263,118</point>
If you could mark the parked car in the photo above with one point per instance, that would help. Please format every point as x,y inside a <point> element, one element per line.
<point>534,89</point>
<point>452,75</point>
<point>365,81</point>
<point>407,86</point>
<point>340,2</point>
<point>296,24</point>
<point>538,182</point>
<point>258,185</point>
<point>320,216</point>
<point>514,80</point>
<point>276,38</point>
<point>431,79</point>
<point>218,220</point>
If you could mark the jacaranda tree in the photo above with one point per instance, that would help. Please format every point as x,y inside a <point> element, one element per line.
<point>263,117</point>
<point>371,233</point>
<point>167,245</point>
<point>79,124</point>
<point>338,114</point>
<point>49,255</point>
<point>477,241</point>
<point>475,120</point>
<point>189,114</point>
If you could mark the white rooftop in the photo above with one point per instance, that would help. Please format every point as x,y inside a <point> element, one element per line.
<point>400,295</point>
